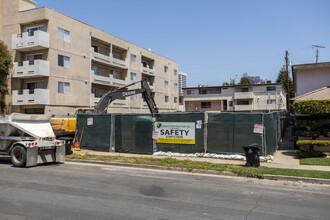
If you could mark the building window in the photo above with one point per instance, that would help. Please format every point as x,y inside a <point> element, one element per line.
<point>31,30</point>
<point>63,61</point>
<point>35,85</point>
<point>243,102</point>
<point>166,98</point>
<point>133,58</point>
<point>190,92</point>
<point>165,69</point>
<point>32,58</point>
<point>206,104</point>
<point>271,101</point>
<point>175,99</point>
<point>271,88</point>
<point>133,76</point>
<point>133,97</point>
<point>96,92</point>
<point>242,89</point>
<point>175,86</point>
<point>230,103</point>
<point>175,72</point>
<point>64,87</point>
<point>63,35</point>
<point>204,92</point>
<point>166,84</point>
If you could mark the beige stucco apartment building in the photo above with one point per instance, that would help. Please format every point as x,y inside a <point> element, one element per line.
<point>261,97</point>
<point>62,64</point>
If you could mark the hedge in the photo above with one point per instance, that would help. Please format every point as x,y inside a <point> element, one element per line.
<point>313,142</point>
<point>312,107</point>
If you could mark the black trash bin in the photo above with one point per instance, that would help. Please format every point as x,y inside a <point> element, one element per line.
<point>252,155</point>
<point>68,144</point>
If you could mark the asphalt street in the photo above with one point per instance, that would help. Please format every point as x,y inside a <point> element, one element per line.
<point>83,191</point>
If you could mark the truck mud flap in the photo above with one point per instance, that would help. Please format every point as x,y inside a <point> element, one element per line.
<point>46,156</point>
<point>31,157</point>
<point>60,153</point>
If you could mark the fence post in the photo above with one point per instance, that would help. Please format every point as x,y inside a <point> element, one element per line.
<point>206,118</point>
<point>112,134</point>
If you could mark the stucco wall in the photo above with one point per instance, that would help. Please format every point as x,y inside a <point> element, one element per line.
<point>308,80</point>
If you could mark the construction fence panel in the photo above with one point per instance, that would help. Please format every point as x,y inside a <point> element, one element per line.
<point>133,134</point>
<point>198,147</point>
<point>228,132</point>
<point>93,132</point>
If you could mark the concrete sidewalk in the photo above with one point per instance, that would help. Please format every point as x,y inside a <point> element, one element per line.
<point>282,159</point>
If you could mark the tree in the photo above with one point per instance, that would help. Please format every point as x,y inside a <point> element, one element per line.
<point>249,80</point>
<point>282,78</point>
<point>231,83</point>
<point>5,65</point>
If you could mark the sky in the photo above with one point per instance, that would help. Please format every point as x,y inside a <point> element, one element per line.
<point>214,40</point>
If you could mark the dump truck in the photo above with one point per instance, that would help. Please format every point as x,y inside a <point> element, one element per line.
<point>29,140</point>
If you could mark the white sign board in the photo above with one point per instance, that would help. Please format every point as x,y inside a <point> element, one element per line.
<point>259,129</point>
<point>174,132</point>
<point>89,121</point>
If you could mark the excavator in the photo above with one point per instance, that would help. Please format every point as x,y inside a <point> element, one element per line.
<point>66,126</point>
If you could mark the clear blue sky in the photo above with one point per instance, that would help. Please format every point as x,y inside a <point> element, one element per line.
<point>214,40</point>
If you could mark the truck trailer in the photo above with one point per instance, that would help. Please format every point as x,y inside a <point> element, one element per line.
<point>29,140</point>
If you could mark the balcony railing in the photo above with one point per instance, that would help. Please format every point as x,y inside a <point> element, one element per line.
<point>243,95</point>
<point>34,68</point>
<point>24,42</point>
<point>109,59</point>
<point>147,70</point>
<point>110,81</point>
<point>243,108</point>
<point>31,97</point>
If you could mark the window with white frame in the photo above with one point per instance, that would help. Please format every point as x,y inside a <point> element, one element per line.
<point>175,86</point>
<point>31,30</point>
<point>166,98</point>
<point>165,69</point>
<point>63,61</point>
<point>166,84</point>
<point>133,58</point>
<point>64,87</point>
<point>63,34</point>
<point>133,76</point>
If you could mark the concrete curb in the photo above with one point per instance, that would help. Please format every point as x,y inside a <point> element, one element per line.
<point>225,173</point>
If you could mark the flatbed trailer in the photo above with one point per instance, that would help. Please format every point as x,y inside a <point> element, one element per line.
<point>29,140</point>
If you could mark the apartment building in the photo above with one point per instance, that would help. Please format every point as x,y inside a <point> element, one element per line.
<point>235,98</point>
<point>311,76</point>
<point>62,64</point>
<point>182,84</point>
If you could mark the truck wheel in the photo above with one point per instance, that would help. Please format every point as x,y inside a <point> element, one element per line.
<point>18,156</point>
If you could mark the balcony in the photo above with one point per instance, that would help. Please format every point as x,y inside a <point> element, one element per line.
<point>243,108</point>
<point>36,97</point>
<point>26,42</point>
<point>108,81</point>
<point>36,68</point>
<point>109,59</point>
<point>243,95</point>
<point>147,70</point>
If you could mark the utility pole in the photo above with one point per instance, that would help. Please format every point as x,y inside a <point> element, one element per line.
<point>317,51</point>
<point>287,80</point>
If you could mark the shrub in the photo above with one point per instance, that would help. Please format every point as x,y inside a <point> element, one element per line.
<point>313,142</point>
<point>312,107</point>
<point>313,134</point>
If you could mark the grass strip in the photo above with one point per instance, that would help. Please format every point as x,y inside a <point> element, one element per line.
<point>315,161</point>
<point>198,165</point>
